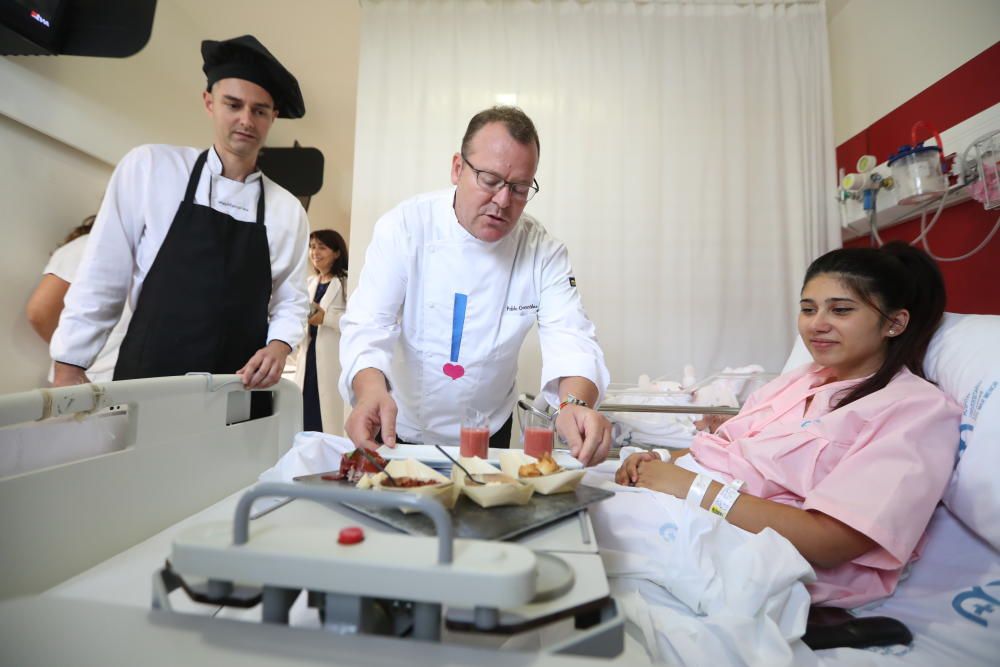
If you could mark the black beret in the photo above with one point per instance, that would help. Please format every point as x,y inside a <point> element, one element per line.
<point>246,58</point>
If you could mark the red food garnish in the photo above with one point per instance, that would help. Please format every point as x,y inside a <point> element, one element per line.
<point>354,465</point>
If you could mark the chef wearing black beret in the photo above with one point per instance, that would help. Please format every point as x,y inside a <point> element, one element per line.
<point>210,253</point>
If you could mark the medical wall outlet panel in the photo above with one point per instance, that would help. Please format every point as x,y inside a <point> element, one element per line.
<point>909,182</point>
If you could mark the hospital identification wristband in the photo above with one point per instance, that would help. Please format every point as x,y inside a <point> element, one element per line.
<point>699,487</point>
<point>726,498</point>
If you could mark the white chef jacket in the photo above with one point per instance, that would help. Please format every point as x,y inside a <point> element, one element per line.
<point>145,191</point>
<point>63,264</point>
<point>400,318</point>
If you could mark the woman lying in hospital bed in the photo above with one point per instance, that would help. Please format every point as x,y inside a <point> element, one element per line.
<point>846,457</point>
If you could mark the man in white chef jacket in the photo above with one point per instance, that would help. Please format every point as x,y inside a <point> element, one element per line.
<point>210,253</point>
<point>452,282</point>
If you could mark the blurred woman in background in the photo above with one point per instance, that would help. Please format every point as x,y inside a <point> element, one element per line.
<point>317,361</point>
<point>46,303</point>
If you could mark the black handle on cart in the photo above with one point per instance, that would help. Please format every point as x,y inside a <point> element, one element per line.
<point>327,494</point>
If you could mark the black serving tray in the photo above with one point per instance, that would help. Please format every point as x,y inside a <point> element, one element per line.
<point>469,520</point>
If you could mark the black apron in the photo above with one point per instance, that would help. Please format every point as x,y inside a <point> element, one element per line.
<point>204,303</point>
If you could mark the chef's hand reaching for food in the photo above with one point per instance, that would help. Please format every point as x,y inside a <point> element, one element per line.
<point>374,411</point>
<point>586,431</point>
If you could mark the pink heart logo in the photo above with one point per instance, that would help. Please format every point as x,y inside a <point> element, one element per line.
<point>454,371</point>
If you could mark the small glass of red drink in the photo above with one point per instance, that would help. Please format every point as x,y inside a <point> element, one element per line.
<point>475,436</point>
<point>537,435</point>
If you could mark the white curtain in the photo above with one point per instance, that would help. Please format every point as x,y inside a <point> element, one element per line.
<point>687,155</point>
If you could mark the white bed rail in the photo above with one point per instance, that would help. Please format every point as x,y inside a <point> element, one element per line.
<point>180,457</point>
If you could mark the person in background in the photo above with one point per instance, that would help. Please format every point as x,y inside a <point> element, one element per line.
<point>317,361</point>
<point>209,251</point>
<point>452,283</point>
<point>46,303</point>
<point>848,456</point>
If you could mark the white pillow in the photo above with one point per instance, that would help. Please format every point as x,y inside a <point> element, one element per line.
<point>964,360</point>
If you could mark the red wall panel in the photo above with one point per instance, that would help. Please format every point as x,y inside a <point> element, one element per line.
<point>973,284</point>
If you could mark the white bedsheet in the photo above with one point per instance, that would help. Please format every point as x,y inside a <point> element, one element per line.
<point>950,602</point>
<point>659,429</point>
<point>698,590</point>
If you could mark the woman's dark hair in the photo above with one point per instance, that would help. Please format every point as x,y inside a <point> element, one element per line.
<point>81,229</point>
<point>894,277</point>
<point>334,241</point>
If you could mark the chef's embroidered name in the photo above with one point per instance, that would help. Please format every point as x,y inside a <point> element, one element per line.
<point>517,309</point>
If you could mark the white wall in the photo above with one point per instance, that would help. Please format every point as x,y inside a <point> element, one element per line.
<point>883,52</point>
<point>47,188</point>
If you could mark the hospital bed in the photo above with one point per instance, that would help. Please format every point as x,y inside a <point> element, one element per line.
<point>84,542</point>
<point>950,597</point>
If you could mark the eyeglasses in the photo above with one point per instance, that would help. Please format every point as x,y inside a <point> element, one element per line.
<point>491,182</point>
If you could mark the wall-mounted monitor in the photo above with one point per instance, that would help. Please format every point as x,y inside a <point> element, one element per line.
<point>37,22</point>
<point>101,28</point>
<point>297,169</point>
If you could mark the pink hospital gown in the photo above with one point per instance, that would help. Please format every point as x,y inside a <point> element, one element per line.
<point>879,465</point>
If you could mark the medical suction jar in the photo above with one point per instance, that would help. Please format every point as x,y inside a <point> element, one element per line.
<point>916,171</point>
